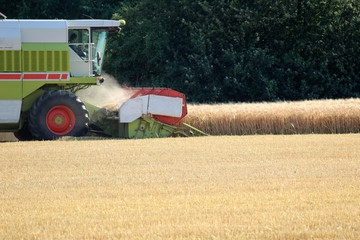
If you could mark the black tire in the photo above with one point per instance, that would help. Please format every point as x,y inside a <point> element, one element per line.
<point>24,133</point>
<point>56,114</point>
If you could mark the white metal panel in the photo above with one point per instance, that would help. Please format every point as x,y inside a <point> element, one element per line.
<point>10,111</point>
<point>44,31</point>
<point>165,106</point>
<point>145,103</point>
<point>10,37</point>
<point>79,67</point>
<point>131,110</point>
<point>92,23</point>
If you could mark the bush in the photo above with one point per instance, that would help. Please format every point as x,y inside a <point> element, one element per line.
<point>258,50</point>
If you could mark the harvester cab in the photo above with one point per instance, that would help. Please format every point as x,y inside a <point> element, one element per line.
<point>43,63</point>
<point>87,39</point>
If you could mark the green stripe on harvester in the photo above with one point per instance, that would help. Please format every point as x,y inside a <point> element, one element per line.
<point>40,57</point>
<point>10,61</point>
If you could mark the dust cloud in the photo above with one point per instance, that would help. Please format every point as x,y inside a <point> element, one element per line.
<point>110,94</point>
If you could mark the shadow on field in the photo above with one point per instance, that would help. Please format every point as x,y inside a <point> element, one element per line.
<point>85,138</point>
<point>8,137</point>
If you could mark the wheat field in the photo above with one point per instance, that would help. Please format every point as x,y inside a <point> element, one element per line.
<point>302,117</point>
<point>229,187</point>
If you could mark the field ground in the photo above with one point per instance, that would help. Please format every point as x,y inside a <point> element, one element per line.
<point>229,187</point>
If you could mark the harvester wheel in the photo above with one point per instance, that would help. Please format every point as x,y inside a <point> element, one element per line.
<point>24,133</point>
<point>58,113</point>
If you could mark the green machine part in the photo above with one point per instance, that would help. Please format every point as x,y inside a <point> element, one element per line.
<point>144,127</point>
<point>106,122</point>
<point>45,57</point>
<point>10,60</point>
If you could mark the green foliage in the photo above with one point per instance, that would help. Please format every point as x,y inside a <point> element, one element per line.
<point>226,50</point>
<point>241,50</point>
<point>61,9</point>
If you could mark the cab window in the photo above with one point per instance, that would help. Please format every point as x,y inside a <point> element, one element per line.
<point>99,40</point>
<point>79,42</point>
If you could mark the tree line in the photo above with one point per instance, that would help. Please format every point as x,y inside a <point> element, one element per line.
<point>225,50</point>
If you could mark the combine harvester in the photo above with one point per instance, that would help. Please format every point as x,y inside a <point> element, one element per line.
<point>43,63</point>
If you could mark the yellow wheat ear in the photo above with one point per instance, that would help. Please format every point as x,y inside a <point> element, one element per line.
<point>298,117</point>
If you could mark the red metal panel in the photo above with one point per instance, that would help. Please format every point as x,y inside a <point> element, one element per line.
<point>35,76</point>
<point>171,120</point>
<point>54,76</point>
<point>7,76</point>
<point>64,76</point>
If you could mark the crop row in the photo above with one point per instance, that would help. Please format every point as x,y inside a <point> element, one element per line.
<point>302,117</point>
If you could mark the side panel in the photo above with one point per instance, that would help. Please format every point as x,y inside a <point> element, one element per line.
<point>10,35</point>
<point>33,81</point>
<point>44,63</point>
<point>49,57</point>
<point>10,111</point>
<point>10,61</point>
<point>43,31</point>
<point>10,86</point>
<point>10,73</point>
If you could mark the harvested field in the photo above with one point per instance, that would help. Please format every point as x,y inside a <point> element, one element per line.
<point>230,187</point>
<point>303,117</point>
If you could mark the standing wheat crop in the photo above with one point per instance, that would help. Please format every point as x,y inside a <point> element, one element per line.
<point>303,117</point>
